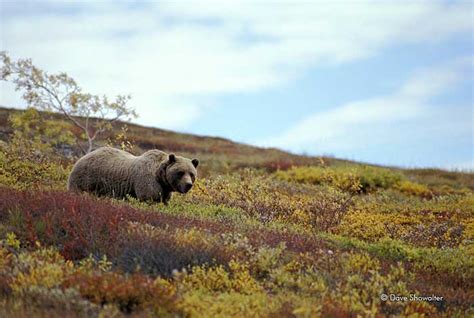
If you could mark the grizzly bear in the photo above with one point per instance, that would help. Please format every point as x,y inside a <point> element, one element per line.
<point>152,176</point>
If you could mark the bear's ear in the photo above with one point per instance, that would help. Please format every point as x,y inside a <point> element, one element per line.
<point>195,162</point>
<point>172,158</point>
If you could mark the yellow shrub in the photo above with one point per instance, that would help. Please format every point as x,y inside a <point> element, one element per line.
<point>198,303</point>
<point>360,263</point>
<point>469,231</point>
<point>348,178</point>
<point>42,268</point>
<point>242,281</point>
<point>360,292</point>
<point>308,282</point>
<point>363,225</point>
<point>306,307</point>
<point>344,180</point>
<point>12,241</point>
<point>415,189</point>
<point>212,279</point>
<point>217,279</point>
<point>417,309</point>
<point>24,173</point>
<point>48,275</point>
<point>192,236</point>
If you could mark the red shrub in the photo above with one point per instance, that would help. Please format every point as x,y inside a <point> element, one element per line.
<point>79,225</point>
<point>128,292</point>
<point>456,292</point>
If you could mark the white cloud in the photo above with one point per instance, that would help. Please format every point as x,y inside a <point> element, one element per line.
<point>173,56</point>
<point>352,125</point>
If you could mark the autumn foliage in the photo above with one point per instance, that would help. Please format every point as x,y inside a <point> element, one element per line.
<point>276,236</point>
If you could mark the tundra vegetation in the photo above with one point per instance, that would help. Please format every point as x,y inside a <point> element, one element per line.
<point>263,233</point>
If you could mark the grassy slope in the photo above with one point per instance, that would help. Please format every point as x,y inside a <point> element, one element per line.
<point>220,149</point>
<point>301,242</point>
<point>223,155</point>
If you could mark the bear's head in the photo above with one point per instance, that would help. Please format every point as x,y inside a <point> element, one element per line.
<point>181,173</point>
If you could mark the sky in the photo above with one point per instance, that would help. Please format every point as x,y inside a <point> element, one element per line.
<point>385,82</point>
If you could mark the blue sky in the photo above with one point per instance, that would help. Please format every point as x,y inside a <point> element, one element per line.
<point>377,81</point>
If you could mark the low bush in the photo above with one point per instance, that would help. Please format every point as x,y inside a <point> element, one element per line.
<point>318,241</point>
<point>129,293</point>
<point>160,253</point>
<point>353,179</point>
<point>24,172</point>
<point>270,200</point>
<point>199,303</point>
<point>455,263</point>
<point>415,189</point>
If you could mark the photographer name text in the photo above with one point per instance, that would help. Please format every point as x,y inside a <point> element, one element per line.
<point>411,297</point>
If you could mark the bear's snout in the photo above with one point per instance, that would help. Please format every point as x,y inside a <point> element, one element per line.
<point>187,187</point>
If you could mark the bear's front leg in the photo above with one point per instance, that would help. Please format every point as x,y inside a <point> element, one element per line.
<point>149,192</point>
<point>166,196</point>
<point>149,197</point>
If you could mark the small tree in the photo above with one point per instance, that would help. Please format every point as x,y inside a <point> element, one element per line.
<point>93,114</point>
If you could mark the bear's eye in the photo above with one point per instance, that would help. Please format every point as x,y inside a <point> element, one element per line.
<point>192,176</point>
<point>180,174</point>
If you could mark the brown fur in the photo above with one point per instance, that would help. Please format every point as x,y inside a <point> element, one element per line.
<point>152,176</point>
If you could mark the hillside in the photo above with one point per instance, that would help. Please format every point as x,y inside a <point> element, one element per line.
<point>224,153</point>
<point>263,233</point>
<point>221,155</point>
